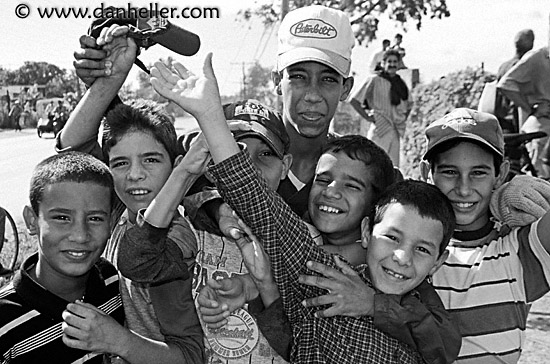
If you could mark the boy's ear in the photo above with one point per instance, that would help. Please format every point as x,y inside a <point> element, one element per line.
<point>287,163</point>
<point>276,78</point>
<point>31,220</point>
<point>439,262</point>
<point>365,232</point>
<point>348,85</point>
<point>503,172</point>
<point>425,171</point>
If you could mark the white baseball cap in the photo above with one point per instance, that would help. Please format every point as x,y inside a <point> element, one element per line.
<point>316,33</point>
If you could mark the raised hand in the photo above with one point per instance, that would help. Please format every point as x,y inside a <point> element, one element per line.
<point>90,61</point>
<point>348,294</point>
<point>121,50</point>
<point>197,94</point>
<point>197,157</point>
<point>88,328</point>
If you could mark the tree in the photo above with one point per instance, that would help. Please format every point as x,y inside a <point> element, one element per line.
<point>33,72</point>
<point>364,14</point>
<point>258,84</point>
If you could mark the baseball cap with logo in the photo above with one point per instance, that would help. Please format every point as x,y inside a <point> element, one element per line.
<point>469,124</point>
<point>316,33</point>
<point>265,123</point>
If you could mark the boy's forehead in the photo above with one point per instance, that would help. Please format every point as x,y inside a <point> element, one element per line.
<point>313,67</point>
<point>465,149</point>
<point>73,194</point>
<point>340,162</point>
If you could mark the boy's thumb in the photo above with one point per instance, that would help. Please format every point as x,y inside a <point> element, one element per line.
<point>207,69</point>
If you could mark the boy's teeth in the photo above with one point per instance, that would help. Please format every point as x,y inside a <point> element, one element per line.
<point>464,204</point>
<point>329,209</point>
<point>394,274</point>
<point>77,254</point>
<point>138,192</point>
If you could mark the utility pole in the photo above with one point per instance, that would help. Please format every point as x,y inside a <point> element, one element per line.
<point>284,8</point>
<point>243,81</point>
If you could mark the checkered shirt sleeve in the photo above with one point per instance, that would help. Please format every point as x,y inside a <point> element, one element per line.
<point>287,242</point>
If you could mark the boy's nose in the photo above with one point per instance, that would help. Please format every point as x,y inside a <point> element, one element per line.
<point>463,186</point>
<point>135,173</point>
<point>332,190</point>
<point>312,93</point>
<point>402,256</point>
<point>79,232</point>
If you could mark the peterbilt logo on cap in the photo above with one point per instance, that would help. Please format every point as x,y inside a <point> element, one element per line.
<point>313,28</point>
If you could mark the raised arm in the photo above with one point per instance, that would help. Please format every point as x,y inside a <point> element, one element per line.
<point>85,120</point>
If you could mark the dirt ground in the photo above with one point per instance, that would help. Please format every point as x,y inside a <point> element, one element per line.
<point>537,347</point>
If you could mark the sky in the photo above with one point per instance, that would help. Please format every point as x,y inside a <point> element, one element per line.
<point>477,32</point>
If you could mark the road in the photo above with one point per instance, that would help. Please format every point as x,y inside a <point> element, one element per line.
<point>20,152</point>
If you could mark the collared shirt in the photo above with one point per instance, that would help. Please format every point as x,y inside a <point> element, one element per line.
<point>31,316</point>
<point>289,244</point>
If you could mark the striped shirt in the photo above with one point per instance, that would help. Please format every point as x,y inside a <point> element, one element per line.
<point>30,316</point>
<point>288,242</point>
<point>487,287</point>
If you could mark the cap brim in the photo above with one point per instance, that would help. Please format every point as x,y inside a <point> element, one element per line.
<point>304,54</point>
<point>259,131</point>
<point>463,136</point>
<point>178,40</point>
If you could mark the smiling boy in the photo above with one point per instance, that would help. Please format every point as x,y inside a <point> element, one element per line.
<point>493,273</point>
<point>70,204</point>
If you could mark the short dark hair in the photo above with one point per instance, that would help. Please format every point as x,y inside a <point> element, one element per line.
<point>68,167</point>
<point>359,148</point>
<point>425,198</point>
<point>450,144</point>
<point>386,41</point>
<point>144,116</point>
<point>392,52</point>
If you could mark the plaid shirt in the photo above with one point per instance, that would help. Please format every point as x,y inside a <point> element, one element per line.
<point>287,241</point>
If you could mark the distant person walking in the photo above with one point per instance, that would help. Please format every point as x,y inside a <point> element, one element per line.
<point>384,100</point>
<point>378,57</point>
<point>397,46</point>
<point>15,115</point>
<point>505,110</point>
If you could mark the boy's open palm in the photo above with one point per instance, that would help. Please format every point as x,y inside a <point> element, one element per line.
<point>196,94</point>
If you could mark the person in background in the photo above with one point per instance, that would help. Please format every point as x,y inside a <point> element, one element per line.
<point>378,57</point>
<point>505,110</point>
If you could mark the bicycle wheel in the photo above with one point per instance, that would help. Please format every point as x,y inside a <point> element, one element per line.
<point>9,243</point>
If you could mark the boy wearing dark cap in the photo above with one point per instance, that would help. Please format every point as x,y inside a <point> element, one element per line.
<point>493,273</point>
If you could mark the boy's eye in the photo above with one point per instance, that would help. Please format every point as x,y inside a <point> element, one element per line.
<point>118,164</point>
<point>152,160</point>
<point>330,79</point>
<point>61,218</point>
<point>424,250</point>
<point>322,181</point>
<point>353,187</point>
<point>296,76</point>
<point>448,172</point>
<point>97,218</point>
<point>479,173</point>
